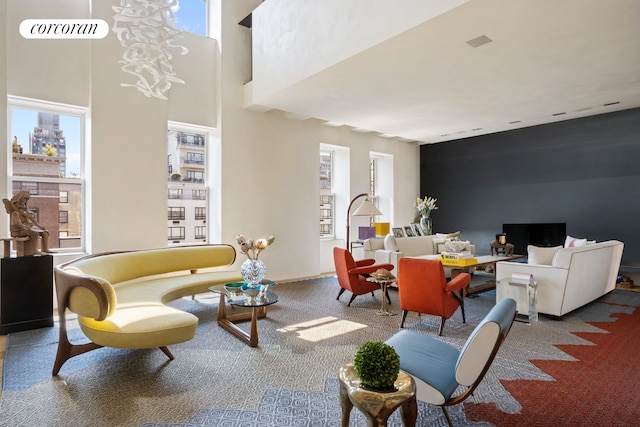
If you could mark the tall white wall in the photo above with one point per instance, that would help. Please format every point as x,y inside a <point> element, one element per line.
<point>269,169</point>
<point>296,39</point>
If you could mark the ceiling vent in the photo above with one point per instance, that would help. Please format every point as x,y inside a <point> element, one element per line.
<point>479,41</point>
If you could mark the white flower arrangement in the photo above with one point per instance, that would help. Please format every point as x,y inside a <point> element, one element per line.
<point>252,248</point>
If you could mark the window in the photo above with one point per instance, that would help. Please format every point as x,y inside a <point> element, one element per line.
<point>64,218</point>
<point>47,141</point>
<point>31,187</point>
<point>176,233</point>
<point>191,15</point>
<point>176,214</point>
<point>201,213</point>
<point>373,178</point>
<point>200,232</point>
<point>195,176</point>
<point>373,164</point>
<point>195,158</point>
<point>187,180</point>
<point>381,185</point>
<point>327,197</point>
<point>175,193</point>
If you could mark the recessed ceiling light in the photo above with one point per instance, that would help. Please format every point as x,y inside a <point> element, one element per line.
<point>479,41</point>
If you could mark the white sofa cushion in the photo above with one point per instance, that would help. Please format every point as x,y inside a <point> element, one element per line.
<point>541,255</point>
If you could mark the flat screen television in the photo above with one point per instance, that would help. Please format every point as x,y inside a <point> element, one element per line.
<point>537,234</point>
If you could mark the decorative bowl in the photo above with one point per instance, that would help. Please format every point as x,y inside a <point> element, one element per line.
<point>265,286</point>
<point>234,289</point>
<point>250,291</point>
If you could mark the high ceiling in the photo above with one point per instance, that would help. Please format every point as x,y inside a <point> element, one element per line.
<point>545,61</point>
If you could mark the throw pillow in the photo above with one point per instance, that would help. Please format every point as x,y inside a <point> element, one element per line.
<point>438,246</point>
<point>454,236</point>
<point>541,256</point>
<point>390,243</point>
<point>574,242</point>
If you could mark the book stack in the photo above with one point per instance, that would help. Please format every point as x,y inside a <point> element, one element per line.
<point>462,258</point>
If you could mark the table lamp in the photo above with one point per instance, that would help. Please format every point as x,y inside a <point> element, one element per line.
<point>365,209</point>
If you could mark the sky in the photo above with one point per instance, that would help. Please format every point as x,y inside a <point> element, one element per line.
<point>23,122</point>
<point>192,16</point>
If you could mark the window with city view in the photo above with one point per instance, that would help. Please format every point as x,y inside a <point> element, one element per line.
<point>187,187</point>
<point>46,160</point>
<point>326,194</point>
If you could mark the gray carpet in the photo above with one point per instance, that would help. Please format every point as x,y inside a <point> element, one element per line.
<point>289,380</point>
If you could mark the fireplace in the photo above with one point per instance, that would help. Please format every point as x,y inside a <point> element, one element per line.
<point>537,234</point>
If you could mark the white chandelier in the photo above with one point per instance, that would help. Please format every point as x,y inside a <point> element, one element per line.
<point>145,28</point>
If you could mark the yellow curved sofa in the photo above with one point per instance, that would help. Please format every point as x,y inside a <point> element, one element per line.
<point>120,297</point>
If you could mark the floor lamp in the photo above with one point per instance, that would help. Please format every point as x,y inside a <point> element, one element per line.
<point>365,209</point>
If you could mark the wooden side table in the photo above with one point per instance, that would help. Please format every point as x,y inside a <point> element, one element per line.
<point>377,406</point>
<point>258,311</point>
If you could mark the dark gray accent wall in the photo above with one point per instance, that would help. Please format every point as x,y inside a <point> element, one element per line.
<point>584,172</point>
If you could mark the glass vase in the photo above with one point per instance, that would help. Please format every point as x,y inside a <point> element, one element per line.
<point>253,271</point>
<point>425,224</point>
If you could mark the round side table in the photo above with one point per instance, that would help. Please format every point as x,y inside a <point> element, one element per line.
<point>377,406</point>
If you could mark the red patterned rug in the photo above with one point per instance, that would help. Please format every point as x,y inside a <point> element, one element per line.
<point>600,388</point>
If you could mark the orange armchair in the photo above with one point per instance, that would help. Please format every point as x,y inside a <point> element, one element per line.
<point>351,274</point>
<point>423,288</point>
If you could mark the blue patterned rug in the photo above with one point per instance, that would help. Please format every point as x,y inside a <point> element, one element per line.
<point>290,379</point>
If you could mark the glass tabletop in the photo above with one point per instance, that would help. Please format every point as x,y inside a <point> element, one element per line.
<point>239,299</point>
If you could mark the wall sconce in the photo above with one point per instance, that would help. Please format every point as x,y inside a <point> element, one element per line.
<point>365,209</point>
<point>501,238</point>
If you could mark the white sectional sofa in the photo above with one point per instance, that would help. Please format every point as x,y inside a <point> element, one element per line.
<point>390,249</point>
<point>568,277</point>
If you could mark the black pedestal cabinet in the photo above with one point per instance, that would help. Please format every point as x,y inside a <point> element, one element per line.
<point>26,293</point>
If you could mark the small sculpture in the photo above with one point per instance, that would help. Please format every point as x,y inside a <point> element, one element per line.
<point>24,224</point>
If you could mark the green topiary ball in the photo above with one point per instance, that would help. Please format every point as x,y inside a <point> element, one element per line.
<point>377,365</point>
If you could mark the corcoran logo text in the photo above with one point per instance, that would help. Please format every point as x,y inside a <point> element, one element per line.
<point>64,28</point>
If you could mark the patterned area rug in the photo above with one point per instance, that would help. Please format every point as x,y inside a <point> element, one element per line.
<point>290,379</point>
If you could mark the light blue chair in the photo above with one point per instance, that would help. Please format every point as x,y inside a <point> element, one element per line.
<point>439,369</point>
